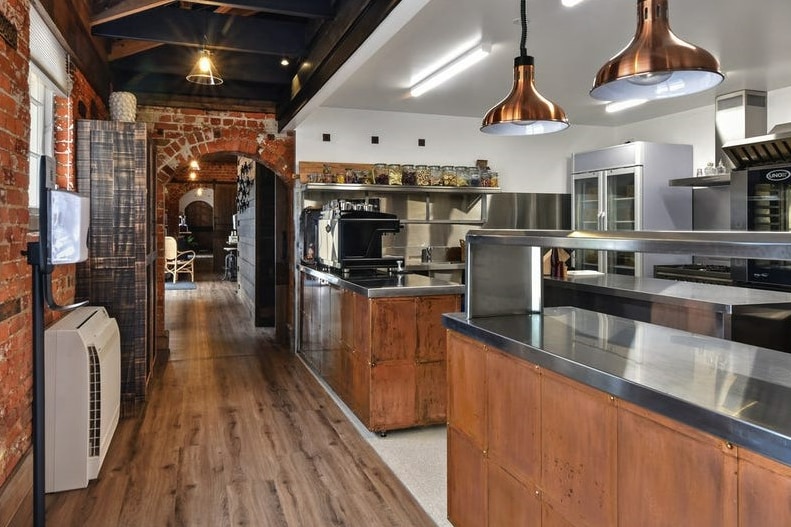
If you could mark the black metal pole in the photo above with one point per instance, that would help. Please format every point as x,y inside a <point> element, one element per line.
<point>39,474</point>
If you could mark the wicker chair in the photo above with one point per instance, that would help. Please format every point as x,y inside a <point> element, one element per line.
<point>178,262</point>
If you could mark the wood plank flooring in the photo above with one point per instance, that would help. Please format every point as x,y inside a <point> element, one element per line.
<point>236,432</point>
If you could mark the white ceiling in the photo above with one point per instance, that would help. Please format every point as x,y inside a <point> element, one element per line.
<point>751,39</point>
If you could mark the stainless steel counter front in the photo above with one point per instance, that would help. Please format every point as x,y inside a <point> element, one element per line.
<point>737,392</point>
<point>388,286</point>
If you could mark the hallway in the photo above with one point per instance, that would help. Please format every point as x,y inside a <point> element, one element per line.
<point>236,432</point>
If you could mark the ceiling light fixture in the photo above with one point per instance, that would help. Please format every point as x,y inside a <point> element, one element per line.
<point>524,111</point>
<point>204,71</point>
<point>193,174</point>
<point>284,62</point>
<point>571,3</point>
<point>194,164</point>
<point>451,69</point>
<point>656,64</point>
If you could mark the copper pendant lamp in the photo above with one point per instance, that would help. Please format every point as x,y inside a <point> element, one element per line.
<point>524,111</point>
<point>204,71</point>
<point>656,64</point>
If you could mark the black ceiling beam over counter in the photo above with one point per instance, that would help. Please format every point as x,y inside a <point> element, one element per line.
<point>176,85</point>
<point>198,28</point>
<point>321,9</point>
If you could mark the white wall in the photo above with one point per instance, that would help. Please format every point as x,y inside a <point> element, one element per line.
<point>525,164</point>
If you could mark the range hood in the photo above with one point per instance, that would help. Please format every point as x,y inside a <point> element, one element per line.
<point>768,149</point>
<point>739,117</point>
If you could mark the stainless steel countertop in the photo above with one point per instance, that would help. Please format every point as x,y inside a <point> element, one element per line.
<point>387,286</point>
<point>719,297</point>
<point>734,391</point>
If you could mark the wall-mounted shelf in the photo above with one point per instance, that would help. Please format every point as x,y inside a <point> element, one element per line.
<point>403,189</point>
<point>720,180</point>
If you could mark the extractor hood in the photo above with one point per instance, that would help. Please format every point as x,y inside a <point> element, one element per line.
<point>768,149</point>
<point>738,118</point>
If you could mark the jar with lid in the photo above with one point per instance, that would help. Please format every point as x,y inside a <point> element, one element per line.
<point>408,175</point>
<point>394,174</point>
<point>435,175</point>
<point>494,180</point>
<point>486,177</point>
<point>423,175</point>
<point>475,176</point>
<point>381,175</point>
<point>462,177</point>
<point>448,176</point>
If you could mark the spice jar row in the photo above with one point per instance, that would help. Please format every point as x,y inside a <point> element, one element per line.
<point>415,175</point>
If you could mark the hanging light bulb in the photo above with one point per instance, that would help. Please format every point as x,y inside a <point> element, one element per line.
<point>204,71</point>
<point>524,111</point>
<point>656,64</point>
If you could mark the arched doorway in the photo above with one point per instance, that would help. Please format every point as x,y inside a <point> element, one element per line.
<point>200,219</point>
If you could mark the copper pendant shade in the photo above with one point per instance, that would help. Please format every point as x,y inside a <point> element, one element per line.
<point>204,71</point>
<point>524,111</point>
<point>656,64</point>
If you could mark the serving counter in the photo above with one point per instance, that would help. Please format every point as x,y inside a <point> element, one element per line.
<point>378,341</point>
<point>750,316</point>
<point>566,416</point>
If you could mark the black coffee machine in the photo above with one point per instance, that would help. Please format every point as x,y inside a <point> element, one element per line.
<point>352,239</point>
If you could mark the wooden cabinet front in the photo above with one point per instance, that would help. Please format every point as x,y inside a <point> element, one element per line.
<point>527,446</point>
<point>384,357</point>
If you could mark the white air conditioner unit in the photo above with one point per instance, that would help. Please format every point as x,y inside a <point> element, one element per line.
<point>82,394</point>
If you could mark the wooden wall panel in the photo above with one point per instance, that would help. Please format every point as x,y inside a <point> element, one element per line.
<point>513,412</point>
<point>662,462</point>
<point>764,491</point>
<point>393,396</point>
<point>467,391</point>
<point>578,447</point>
<point>466,482</point>
<point>431,345</point>
<point>510,502</point>
<point>432,390</point>
<point>393,332</point>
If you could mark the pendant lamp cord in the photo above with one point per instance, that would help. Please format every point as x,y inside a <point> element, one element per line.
<point>523,42</point>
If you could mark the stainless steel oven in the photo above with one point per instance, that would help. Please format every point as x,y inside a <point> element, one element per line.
<point>761,201</point>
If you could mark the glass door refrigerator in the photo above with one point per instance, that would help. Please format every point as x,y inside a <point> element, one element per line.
<point>625,188</point>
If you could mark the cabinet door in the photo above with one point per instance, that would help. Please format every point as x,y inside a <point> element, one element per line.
<point>393,331</point>
<point>622,213</point>
<point>587,213</point>
<point>467,387</point>
<point>466,482</point>
<point>430,332</point>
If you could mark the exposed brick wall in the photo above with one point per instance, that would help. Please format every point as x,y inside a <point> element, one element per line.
<point>15,274</point>
<point>209,173</point>
<point>15,281</point>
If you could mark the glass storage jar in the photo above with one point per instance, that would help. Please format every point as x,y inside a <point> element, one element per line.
<point>462,177</point>
<point>394,174</point>
<point>408,175</point>
<point>381,174</point>
<point>435,175</point>
<point>423,175</point>
<point>448,176</point>
<point>475,176</point>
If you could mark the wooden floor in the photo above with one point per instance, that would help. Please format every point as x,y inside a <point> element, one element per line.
<point>236,432</point>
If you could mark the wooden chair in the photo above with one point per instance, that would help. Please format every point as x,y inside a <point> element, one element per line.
<point>178,262</point>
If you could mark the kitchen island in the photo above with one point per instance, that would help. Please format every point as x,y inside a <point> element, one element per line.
<point>566,416</point>
<point>379,343</point>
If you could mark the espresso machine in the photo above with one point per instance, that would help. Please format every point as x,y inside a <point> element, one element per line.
<point>350,238</point>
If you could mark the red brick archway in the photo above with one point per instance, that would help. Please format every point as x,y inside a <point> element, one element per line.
<point>180,135</point>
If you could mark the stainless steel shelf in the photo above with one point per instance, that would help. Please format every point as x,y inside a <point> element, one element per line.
<point>402,189</point>
<point>719,180</point>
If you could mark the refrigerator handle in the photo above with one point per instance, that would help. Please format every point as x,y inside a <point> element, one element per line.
<point>602,220</point>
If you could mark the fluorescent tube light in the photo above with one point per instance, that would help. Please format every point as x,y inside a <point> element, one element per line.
<point>571,3</point>
<point>624,105</point>
<point>451,69</point>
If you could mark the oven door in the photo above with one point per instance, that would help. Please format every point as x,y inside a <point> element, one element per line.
<point>768,202</point>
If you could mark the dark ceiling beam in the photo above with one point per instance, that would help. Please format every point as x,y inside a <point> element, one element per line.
<point>219,104</point>
<point>355,21</point>
<point>123,9</point>
<point>218,32</point>
<point>120,49</point>
<point>298,8</point>
<point>177,85</point>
